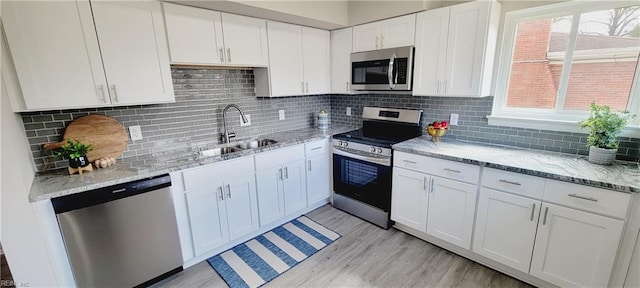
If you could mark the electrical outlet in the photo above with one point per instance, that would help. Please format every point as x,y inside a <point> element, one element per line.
<point>242,124</point>
<point>135,132</point>
<point>453,120</point>
<point>281,113</point>
<point>348,111</point>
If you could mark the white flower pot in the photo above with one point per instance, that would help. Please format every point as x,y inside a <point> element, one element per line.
<point>602,156</point>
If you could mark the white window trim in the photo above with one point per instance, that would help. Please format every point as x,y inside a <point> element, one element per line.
<point>550,119</point>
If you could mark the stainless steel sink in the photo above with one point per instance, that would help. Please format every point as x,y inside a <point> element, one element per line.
<point>219,151</point>
<point>256,143</point>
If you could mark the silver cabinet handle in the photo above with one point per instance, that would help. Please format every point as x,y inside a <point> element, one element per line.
<point>302,87</point>
<point>101,93</point>
<point>309,165</point>
<point>510,182</point>
<point>316,148</point>
<point>377,40</point>
<point>583,197</point>
<point>452,171</point>
<point>533,209</point>
<point>229,55</point>
<point>228,191</point>
<point>220,194</point>
<point>221,50</point>
<point>546,211</point>
<point>347,86</point>
<point>433,186</point>
<point>115,92</point>
<point>412,162</point>
<point>306,87</point>
<point>445,87</point>
<point>424,184</point>
<point>280,173</point>
<point>382,41</point>
<point>286,173</point>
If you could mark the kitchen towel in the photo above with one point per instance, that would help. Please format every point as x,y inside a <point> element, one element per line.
<point>263,258</point>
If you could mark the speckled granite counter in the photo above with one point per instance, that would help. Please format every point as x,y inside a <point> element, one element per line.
<point>58,184</point>
<point>622,176</point>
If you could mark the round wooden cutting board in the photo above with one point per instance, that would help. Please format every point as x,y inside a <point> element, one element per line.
<point>106,134</point>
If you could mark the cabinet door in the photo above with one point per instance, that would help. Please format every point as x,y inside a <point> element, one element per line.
<point>451,211</point>
<point>245,40</point>
<point>285,56</point>
<point>295,189</point>
<point>318,178</point>
<point>316,61</point>
<point>506,228</point>
<point>341,47</point>
<point>575,248</point>
<point>134,51</point>
<point>409,201</point>
<point>241,203</point>
<point>431,51</point>
<point>465,48</point>
<point>366,37</point>
<point>207,217</point>
<point>55,52</point>
<point>194,35</point>
<point>397,32</point>
<point>270,196</point>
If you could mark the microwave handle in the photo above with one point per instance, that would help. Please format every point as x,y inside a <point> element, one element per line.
<point>390,73</point>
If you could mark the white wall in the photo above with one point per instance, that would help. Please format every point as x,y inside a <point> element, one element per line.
<point>22,239</point>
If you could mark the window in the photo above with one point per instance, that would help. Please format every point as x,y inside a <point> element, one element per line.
<point>557,59</point>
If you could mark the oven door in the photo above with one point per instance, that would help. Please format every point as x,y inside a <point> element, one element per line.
<point>363,178</point>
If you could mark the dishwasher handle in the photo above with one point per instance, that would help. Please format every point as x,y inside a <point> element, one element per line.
<point>110,193</point>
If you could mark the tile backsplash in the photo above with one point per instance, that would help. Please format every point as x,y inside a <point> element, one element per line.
<point>473,123</point>
<point>193,122</point>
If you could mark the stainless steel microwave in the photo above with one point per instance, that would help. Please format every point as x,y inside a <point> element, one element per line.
<point>384,69</point>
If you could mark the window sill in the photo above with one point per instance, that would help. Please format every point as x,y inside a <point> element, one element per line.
<point>551,125</point>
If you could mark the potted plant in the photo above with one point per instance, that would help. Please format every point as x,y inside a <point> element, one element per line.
<point>76,152</point>
<point>605,127</point>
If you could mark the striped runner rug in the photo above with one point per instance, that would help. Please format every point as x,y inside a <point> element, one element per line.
<point>262,259</point>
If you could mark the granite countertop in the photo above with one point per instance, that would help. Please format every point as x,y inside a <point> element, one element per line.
<point>622,176</point>
<point>58,184</point>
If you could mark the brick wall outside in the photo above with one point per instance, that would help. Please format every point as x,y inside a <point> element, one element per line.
<point>534,80</point>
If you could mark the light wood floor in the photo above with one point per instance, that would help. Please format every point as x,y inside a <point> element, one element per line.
<point>366,256</point>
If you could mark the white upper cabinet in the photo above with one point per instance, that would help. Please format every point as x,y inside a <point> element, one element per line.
<point>201,37</point>
<point>203,43</point>
<point>455,47</point>
<point>299,59</point>
<point>316,61</point>
<point>134,51</point>
<point>390,33</point>
<point>64,60</point>
<point>56,53</point>
<point>341,48</point>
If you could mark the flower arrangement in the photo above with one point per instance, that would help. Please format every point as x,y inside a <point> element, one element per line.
<point>437,129</point>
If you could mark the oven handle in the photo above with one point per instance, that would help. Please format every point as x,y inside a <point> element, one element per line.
<point>384,162</point>
<point>390,73</point>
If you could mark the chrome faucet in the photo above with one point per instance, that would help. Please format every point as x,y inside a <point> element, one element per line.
<point>226,134</point>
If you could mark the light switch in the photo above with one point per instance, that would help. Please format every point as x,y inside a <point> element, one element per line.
<point>453,120</point>
<point>281,113</point>
<point>348,111</point>
<point>135,132</point>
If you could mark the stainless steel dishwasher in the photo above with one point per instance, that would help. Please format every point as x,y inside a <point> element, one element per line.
<point>121,236</point>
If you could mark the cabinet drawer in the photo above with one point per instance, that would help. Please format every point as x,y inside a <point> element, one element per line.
<point>279,157</point>
<point>316,148</point>
<point>601,201</point>
<point>515,183</point>
<point>211,174</point>
<point>439,167</point>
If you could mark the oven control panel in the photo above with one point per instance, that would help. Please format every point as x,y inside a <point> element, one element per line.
<point>373,150</point>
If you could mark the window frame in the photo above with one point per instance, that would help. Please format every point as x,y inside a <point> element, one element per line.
<point>557,118</point>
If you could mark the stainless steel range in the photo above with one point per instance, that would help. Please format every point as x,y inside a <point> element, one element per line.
<point>362,162</point>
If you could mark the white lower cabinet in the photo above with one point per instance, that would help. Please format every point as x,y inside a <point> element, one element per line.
<point>451,211</point>
<point>281,183</point>
<point>506,228</point>
<point>575,248</point>
<point>409,199</point>
<point>318,170</point>
<point>221,202</point>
